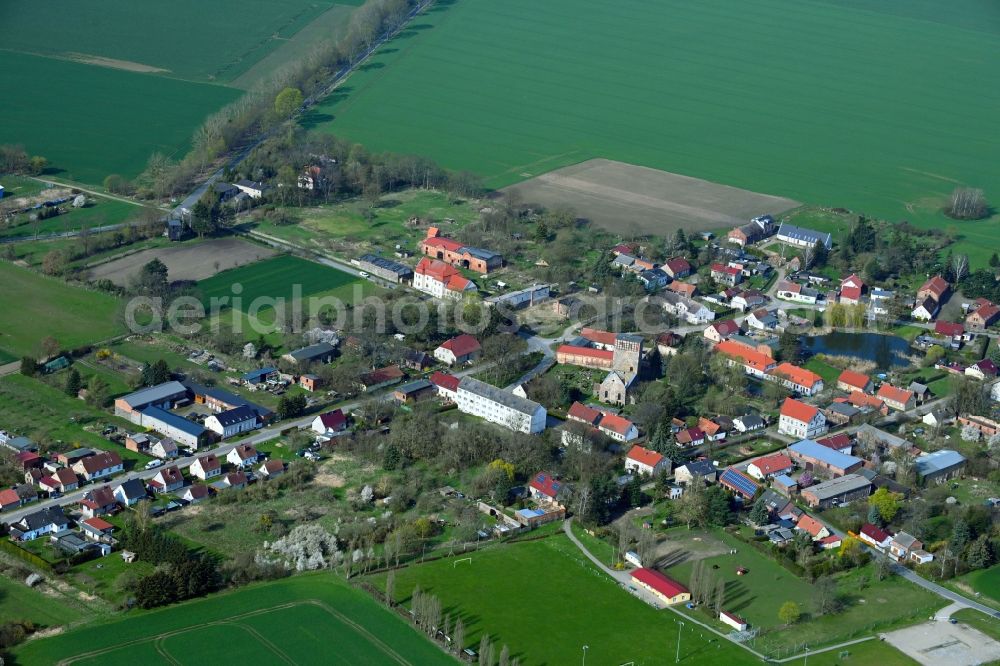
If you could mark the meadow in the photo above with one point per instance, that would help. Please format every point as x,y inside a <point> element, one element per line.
<point>514,89</point>
<point>37,306</point>
<point>309,619</point>
<point>545,601</point>
<point>274,279</point>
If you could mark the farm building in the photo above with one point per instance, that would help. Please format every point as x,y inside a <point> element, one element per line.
<point>414,391</point>
<point>441,280</point>
<point>819,458</point>
<point>769,466</point>
<point>461,349</point>
<point>452,252</point>
<point>389,270</point>
<point>739,483</point>
<point>854,381</point>
<point>940,466</point>
<point>802,237</point>
<point>321,352</point>
<point>526,297</point>
<point>836,491</point>
<point>164,396</point>
<point>173,426</point>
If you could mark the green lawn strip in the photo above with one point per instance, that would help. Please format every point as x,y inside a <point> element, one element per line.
<point>828,372</point>
<point>490,594</point>
<point>48,307</point>
<point>101,212</point>
<point>20,602</point>
<point>274,278</point>
<point>983,585</point>
<point>133,634</point>
<point>868,653</point>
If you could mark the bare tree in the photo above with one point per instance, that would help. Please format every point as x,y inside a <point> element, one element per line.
<point>967,203</point>
<point>960,266</point>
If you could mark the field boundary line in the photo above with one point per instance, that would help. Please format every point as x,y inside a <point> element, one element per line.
<point>161,649</point>
<point>375,640</point>
<point>263,641</point>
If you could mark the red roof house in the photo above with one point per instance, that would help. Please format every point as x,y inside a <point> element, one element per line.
<point>768,466</point>
<point>584,414</point>
<point>948,329</point>
<point>668,589</point>
<point>937,288</point>
<point>544,486</point>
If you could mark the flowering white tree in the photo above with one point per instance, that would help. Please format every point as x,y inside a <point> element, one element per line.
<point>970,433</point>
<point>305,548</point>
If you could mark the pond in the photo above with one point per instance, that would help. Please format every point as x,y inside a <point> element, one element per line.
<point>885,350</point>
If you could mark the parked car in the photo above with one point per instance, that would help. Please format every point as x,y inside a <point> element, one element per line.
<point>153,464</point>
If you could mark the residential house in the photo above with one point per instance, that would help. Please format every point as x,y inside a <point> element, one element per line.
<point>644,462</point>
<point>801,420</point>
<point>380,378</point>
<point>721,330</point>
<point>690,437</point>
<point>167,480</point>
<point>330,423</point>
<point>984,315</point>
<point>754,363</point>
<point>983,370</point>
<point>841,442</point>
<point>685,289</point>
<point>9,499</point>
<point>683,307</point>
<point>242,456</point>
<point>447,385</point>
<point>802,237</point>
<point>939,466</point>
<point>498,406</point>
<point>729,275</point>
<point>875,536</point>
<point>879,301</point>
<point>925,309</point>
<point>664,588</point>
<point>841,413</point>
<point>821,459</point>
<point>253,189</point>
<point>441,280</point>
<point>703,470</point>
<point>98,466</point>
<point>271,469</point>
<point>936,418</point>
<point>195,493</point>
<point>812,527</point>
<point>766,467</point>
<point>921,392</point>
<point>460,349</point>
<point>668,343</point>
<point>98,502</point>
<point>205,467</point>
<point>233,422</point>
<point>543,487</point>
<point>414,391</point>
<point>62,481</point>
<point>164,449</point>
<point>792,291</point>
<point>677,267</point>
<point>852,288</point>
<point>618,428</point>
<point>748,423</point>
<point>45,521</point>
<point>953,331</point>
<point>829,542</point>
<point>799,380</point>
<point>417,360</point>
<point>130,492</point>
<point>850,380</point>
<point>837,491</point>
<point>753,231</point>
<point>906,547</point>
<point>936,288</point>
<point>653,279</point>
<point>97,530</point>
<point>896,398</point>
<point>739,483</point>
<point>714,429</point>
<point>867,403</point>
<point>233,480</point>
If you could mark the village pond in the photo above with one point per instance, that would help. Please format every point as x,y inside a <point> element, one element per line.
<point>886,351</point>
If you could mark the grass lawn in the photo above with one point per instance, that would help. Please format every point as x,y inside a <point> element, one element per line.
<point>295,620</point>
<point>828,372</point>
<point>869,653</point>
<point>273,279</point>
<point>684,96</point>
<point>20,602</point>
<point>491,595</point>
<point>758,595</point>
<point>41,306</point>
<point>99,213</point>
<point>985,582</point>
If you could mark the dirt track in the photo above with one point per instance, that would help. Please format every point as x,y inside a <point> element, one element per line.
<point>637,200</point>
<point>185,261</point>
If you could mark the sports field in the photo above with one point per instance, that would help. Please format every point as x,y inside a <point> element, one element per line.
<point>276,278</point>
<point>98,86</point>
<point>312,619</point>
<point>36,306</point>
<point>879,110</point>
<point>545,601</point>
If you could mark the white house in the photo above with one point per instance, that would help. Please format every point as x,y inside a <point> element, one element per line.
<point>801,420</point>
<point>748,423</point>
<point>233,422</point>
<point>330,423</point>
<point>167,480</point>
<point>683,307</point>
<point>242,455</point>
<point>461,349</point>
<point>644,462</point>
<point>98,466</point>
<point>618,428</point>
<point>39,523</point>
<point>791,291</point>
<point>131,492</point>
<point>255,190</point>
<point>206,467</point>
<point>926,310</point>
<point>165,448</point>
<point>441,280</point>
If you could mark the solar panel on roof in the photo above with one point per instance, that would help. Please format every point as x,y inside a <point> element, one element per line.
<point>740,482</point>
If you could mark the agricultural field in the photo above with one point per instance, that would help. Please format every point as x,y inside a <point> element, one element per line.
<point>629,199</point>
<point>185,261</point>
<point>490,594</point>
<point>20,602</point>
<point>125,82</point>
<point>46,306</point>
<point>675,86</point>
<point>308,619</point>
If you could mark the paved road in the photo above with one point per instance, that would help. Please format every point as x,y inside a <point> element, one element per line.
<point>944,592</point>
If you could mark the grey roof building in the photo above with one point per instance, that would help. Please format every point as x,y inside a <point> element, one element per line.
<point>802,236</point>
<point>162,395</point>
<point>499,406</point>
<point>321,352</point>
<point>842,489</point>
<point>940,466</point>
<point>387,269</point>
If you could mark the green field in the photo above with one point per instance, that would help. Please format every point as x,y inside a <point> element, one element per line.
<point>37,306</point>
<point>274,278</point>
<point>985,582</point>
<point>20,602</point>
<point>545,601</point>
<point>310,619</point>
<point>109,82</point>
<point>514,89</point>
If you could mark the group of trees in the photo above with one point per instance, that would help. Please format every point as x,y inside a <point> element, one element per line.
<point>967,203</point>
<point>14,159</point>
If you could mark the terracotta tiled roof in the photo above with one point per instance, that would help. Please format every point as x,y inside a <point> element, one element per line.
<point>773,464</point>
<point>580,412</point>
<point>854,379</point>
<point>890,392</point>
<point>615,423</point>
<point>749,357</point>
<point>937,285</point>
<point>810,524</point>
<point>445,381</point>
<point>572,350</point>
<point>462,345</point>
<point>797,375</point>
<point>645,456</point>
<point>600,337</point>
<point>797,410</point>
